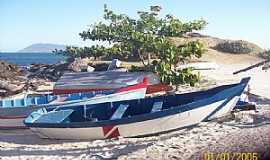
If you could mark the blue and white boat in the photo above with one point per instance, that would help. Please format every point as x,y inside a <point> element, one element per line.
<point>135,118</point>
<point>14,111</point>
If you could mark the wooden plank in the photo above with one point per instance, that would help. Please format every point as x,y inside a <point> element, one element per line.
<point>252,66</point>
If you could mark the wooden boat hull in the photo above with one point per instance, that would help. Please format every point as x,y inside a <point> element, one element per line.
<point>190,114</point>
<point>96,81</point>
<point>150,89</point>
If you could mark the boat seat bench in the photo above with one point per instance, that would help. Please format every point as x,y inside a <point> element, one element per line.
<point>88,114</point>
<point>157,106</point>
<point>119,111</point>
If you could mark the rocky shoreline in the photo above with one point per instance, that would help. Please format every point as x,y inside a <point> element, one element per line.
<point>14,80</point>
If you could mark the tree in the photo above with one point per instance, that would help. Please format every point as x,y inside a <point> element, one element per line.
<point>143,38</point>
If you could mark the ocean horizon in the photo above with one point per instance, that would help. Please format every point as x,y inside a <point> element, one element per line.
<point>25,59</point>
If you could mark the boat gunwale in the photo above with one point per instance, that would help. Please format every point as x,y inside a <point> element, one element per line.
<point>127,90</point>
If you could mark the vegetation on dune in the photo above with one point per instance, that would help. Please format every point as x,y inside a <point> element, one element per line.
<point>237,47</point>
<point>142,39</point>
<point>265,54</point>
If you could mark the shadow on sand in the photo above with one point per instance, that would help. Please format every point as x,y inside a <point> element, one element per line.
<point>257,120</point>
<point>258,99</point>
<point>29,144</point>
<point>26,137</point>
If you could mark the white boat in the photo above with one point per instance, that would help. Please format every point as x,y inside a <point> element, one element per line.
<point>135,118</point>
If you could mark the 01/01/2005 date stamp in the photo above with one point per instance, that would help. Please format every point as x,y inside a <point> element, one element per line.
<point>230,156</point>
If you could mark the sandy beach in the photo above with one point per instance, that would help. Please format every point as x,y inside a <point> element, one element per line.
<point>100,72</point>
<point>248,132</point>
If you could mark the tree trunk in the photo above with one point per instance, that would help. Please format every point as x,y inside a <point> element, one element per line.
<point>141,57</point>
<point>149,60</point>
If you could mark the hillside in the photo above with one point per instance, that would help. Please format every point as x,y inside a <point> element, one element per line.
<point>42,47</point>
<point>224,51</point>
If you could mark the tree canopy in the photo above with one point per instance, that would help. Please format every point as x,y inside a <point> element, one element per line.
<point>142,38</point>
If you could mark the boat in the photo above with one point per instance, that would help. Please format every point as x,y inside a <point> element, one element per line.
<point>135,118</point>
<point>14,111</point>
<point>106,80</point>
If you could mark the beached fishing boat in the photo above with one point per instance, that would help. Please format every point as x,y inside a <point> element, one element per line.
<point>135,118</point>
<point>14,111</point>
<point>106,80</point>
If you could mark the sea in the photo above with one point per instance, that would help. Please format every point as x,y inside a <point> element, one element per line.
<point>25,59</point>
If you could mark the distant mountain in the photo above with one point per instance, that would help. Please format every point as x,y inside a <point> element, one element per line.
<point>42,47</point>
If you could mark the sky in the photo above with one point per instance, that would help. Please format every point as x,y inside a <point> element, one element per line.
<point>25,22</point>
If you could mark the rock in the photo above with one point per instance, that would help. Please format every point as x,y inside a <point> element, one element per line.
<point>100,66</point>
<point>11,87</point>
<point>8,88</point>
<point>79,64</point>
<point>9,71</point>
<point>13,80</point>
<point>48,72</point>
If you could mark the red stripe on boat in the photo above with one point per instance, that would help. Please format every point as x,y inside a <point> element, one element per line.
<point>106,129</point>
<point>12,117</point>
<point>114,134</point>
<point>69,91</point>
<point>13,127</point>
<point>158,88</point>
<point>111,130</point>
<point>134,87</point>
